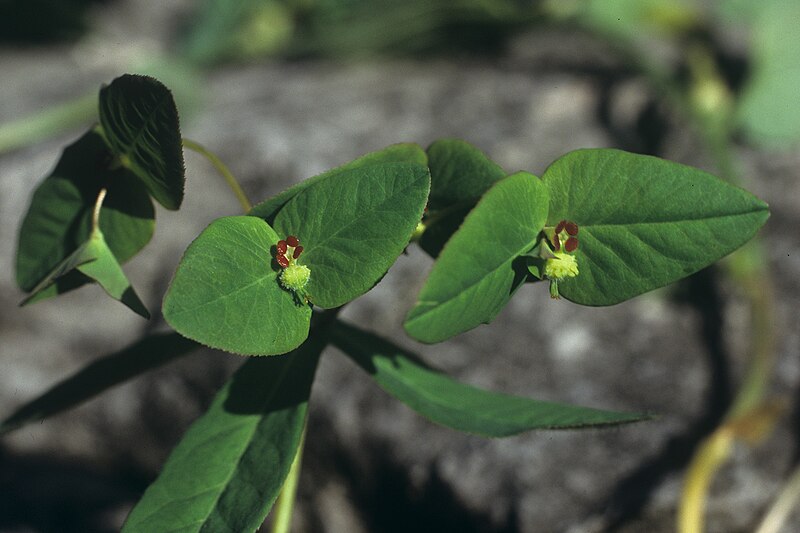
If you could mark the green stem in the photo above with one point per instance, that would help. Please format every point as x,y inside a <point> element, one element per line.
<point>47,123</point>
<point>284,506</point>
<point>222,169</point>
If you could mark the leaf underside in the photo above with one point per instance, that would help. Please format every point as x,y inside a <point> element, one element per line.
<point>58,220</point>
<point>140,124</point>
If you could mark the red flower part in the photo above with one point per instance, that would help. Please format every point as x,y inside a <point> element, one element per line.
<point>572,228</point>
<point>282,261</point>
<point>281,247</point>
<point>571,245</point>
<point>292,241</point>
<point>297,252</point>
<point>560,226</point>
<point>556,243</point>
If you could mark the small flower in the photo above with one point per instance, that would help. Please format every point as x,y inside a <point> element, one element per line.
<point>293,277</point>
<point>561,266</point>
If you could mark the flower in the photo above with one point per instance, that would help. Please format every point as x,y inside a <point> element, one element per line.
<point>561,266</point>
<point>293,277</point>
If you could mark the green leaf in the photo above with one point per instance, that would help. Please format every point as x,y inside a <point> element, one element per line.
<point>226,294</point>
<point>460,174</point>
<point>94,260</point>
<point>140,123</point>
<point>228,469</point>
<point>105,270</point>
<point>769,110</point>
<point>477,272</point>
<point>99,376</point>
<point>396,153</point>
<point>355,226</point>
<point>644,222</point>
<point>445,401</point>
<point>634,20</point>
<point>59,217</point>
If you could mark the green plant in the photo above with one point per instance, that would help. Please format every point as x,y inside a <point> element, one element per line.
<point>600,227</point>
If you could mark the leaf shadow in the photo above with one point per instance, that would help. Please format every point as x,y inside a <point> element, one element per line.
<point>101,375</point>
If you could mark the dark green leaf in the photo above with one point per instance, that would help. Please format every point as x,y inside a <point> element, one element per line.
<point>140,123</point>
<point>458,406</point>
<point>99,376</point>
<point>59,217</point>
<point>460,174</point>
<point>477,272</point>
<point>226,294</point>
<point>354,226</point>
<point>230,466</point>
<point>644,222</point>
<point>397,153</point>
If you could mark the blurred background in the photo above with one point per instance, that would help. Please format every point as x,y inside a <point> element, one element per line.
<point>284,89</point>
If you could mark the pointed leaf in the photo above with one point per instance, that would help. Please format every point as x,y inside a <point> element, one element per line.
<point>140,123</point>
<point>228,469</point>
<point>396,153</point>
<point>59,217</point>
<point>477,272</point>
<point>456,405</point>
<point>99,376</point>
<point>644,222</point>
<point>354,227</point>
<point>94,260</point>
<point>460,174</point>
<point>226,294</point>
<point>105,270</point>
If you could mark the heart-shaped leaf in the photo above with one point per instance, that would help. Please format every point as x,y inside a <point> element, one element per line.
<point>644,222</point>
<point>226,294</point>
<point>229,468</point>
<point>477,273</point>
<point>396,153</point>
<point>59,217</point>
<point>140,123</point>
<point>456,405</point>
<point>354,225</point>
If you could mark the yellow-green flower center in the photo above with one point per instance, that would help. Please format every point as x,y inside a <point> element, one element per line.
<point>295,277</point>
<point>560,267</point>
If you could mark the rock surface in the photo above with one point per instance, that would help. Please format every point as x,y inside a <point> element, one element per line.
<point>371,463</point>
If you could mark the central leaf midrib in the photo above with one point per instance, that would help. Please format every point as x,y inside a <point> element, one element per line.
<point>255,426</point>
<point>261,417</point>
<point>128,152</point>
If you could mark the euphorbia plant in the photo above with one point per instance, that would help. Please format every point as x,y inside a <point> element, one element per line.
<point>600,226</point>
